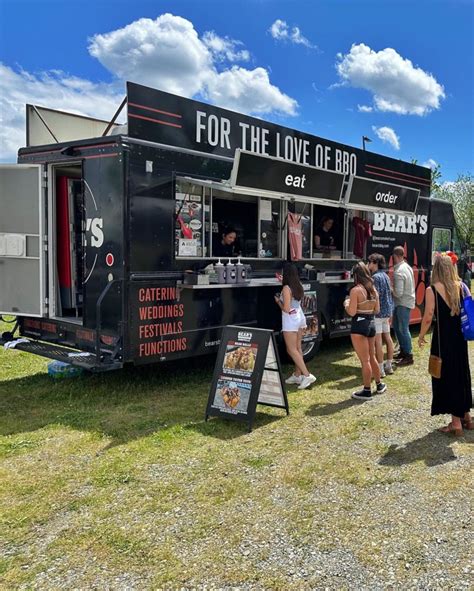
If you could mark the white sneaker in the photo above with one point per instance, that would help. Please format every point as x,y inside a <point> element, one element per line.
<point>307,381</point>
<point>293,379</point>
<point>388,369</point>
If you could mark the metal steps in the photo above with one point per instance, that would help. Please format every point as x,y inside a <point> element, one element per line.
<point>52,351</point>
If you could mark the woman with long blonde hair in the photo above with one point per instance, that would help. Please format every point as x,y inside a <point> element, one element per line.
<point>452,392</point>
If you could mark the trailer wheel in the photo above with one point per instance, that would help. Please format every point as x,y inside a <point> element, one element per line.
<point>310,350</point>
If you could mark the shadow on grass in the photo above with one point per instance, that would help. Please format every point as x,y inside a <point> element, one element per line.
<point>138,401</point>
<point>433,449</point>
<point>323,410</point>
<point>226,429</point>
<point>125,405</point>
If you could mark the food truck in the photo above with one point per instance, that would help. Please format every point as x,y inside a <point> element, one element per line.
<point>108,242</point>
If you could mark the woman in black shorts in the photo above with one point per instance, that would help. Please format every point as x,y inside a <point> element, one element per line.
<point>362,304</point>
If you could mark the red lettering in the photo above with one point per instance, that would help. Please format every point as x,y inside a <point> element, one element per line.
<point>28,322</point>
<point>85,335</point>
<point>162,347</point>
<point>156,294</point>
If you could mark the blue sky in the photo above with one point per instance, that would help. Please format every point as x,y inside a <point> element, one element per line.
<point>407,65</point>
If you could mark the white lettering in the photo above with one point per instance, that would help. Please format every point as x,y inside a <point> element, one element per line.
<point>225,133</point>
<point>94,225</point>
<point>213,130</point>
<point>216,130</point>
<point>379,219</point>
<point>265,141</point>
<point>288,147</point>
<point>404,224</point>
<point>386,197</point>
<point>411,224</point>
<point>400,227</point>
<point>199,125</point>
<point>389,222</point>
<point>244,127</point>
<point>295,181</point>
<point>423,221</point>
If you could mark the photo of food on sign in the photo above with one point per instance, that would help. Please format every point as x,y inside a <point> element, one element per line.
<point>240,358</point>
<point>232,395</point>
<point>312,327</point>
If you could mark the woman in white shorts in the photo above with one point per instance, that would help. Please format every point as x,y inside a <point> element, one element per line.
<point>293,323</point>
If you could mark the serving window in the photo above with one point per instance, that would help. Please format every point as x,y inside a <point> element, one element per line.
<point>205,214</point>
<point>315,231</point>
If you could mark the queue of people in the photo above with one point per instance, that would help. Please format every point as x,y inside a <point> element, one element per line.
<point>372,303</point>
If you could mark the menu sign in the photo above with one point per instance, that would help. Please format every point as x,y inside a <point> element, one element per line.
<point>247,373</point>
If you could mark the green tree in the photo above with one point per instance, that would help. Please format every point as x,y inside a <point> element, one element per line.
<point>461,194</point>
<point>435,176</point>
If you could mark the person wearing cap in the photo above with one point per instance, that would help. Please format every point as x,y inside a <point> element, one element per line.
<point>404,299</point>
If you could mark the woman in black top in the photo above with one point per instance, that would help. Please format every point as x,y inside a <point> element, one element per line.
<point>225,247</point>
<point>324,237</point>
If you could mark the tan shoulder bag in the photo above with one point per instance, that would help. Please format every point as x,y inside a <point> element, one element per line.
<point>435,361</point>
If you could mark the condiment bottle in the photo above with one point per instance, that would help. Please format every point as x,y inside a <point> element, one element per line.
<point>241,272</point>
<point>221,271</point>
<point>231,272</point>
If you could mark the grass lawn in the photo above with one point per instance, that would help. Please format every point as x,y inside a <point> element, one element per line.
<point>115,481</point>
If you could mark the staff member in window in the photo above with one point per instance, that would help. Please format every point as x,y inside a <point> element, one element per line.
<point>324,237</point>
<point>225,247</point>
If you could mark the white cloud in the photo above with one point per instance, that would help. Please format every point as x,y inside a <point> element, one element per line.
<point>430,163</point>
<point>386,134</point>
<point>365,108</point>
<point>177,60</point>
<point>248,91</point>
<point>54,89</point>
<point>224,48</point>
<point>165,53</point>
<point>280,31</point>
<point>396,84</point>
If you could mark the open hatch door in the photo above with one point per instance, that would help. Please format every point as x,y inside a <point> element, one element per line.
<point>22,231</point>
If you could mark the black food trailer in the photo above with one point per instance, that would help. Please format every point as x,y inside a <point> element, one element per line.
<point>104,239</point>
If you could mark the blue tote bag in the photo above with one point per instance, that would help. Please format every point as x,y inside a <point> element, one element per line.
<point>467,314</point>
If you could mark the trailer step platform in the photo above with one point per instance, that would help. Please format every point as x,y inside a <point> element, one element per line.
<point>88,362</point>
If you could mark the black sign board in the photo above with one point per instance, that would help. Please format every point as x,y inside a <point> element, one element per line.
<point>276,175</point>
<point>172,120</point>
<point>247,373</point>
<point>374,195</point>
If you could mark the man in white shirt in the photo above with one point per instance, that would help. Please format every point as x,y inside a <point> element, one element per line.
<point>404,299</point>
